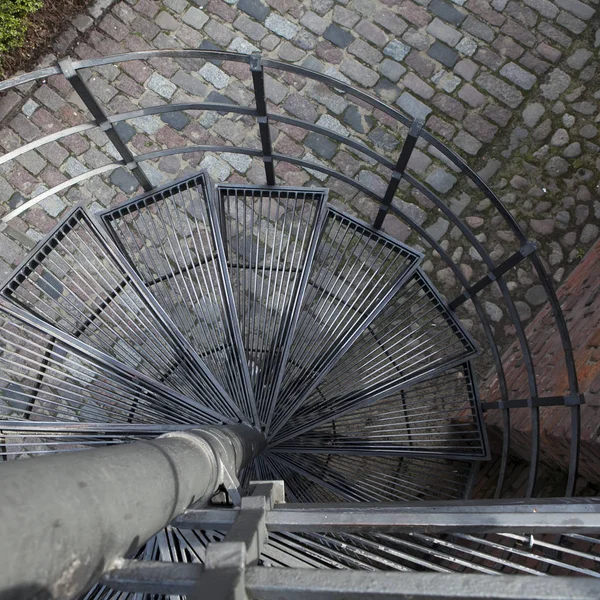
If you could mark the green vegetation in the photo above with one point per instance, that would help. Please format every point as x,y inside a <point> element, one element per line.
<point>14,21</point>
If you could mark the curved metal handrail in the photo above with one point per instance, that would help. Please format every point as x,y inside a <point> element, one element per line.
<point>257,65</point>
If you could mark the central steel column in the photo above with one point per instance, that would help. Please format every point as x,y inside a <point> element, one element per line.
<point>66,518</point>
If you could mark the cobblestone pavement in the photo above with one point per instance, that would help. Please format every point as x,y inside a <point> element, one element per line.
<point>513,87</point>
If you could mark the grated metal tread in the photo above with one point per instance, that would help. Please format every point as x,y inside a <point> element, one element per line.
<point>414,342</point>
<point>257,304</point>
<point>420,418</point>
<point>355,272</point>
<point>270,238</point>
<point>171,238</point>
<point>75,281</point>
<point>342,478</point>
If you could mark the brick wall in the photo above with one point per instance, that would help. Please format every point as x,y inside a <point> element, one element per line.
<point>580,301</point>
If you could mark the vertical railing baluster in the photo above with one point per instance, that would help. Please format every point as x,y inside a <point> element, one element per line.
<point>409,144</point>
<point>258,79</point>
<point>104,124</point>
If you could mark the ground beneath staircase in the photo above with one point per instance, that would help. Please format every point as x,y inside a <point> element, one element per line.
<point>511,86</point>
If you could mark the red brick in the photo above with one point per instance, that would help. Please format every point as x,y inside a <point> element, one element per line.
<point>581,305</point>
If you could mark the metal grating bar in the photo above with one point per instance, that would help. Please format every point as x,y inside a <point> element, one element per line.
<point>409,145</point>
<point>373,478</point>
<point>172,239</point>
<point>436,416</point>
<point>414,339</point>
<point>433,517</point>
<point>493,275</point>
<point>258,80</point>
<point>529,402</point>
<point>270,584</point>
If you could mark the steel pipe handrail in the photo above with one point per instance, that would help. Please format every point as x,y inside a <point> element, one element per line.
<point>100,505</point>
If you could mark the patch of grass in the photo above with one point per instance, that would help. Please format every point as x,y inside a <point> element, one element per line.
<point>14,20</point>
<point>28,28</point>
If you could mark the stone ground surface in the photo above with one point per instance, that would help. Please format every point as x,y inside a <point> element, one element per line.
<point>513,87</point>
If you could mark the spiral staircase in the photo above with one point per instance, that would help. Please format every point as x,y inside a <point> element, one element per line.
<point>201,303</point>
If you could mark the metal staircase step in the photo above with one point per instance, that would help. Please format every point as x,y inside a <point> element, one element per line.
<point>323,477</point>
<point>418,419</point>
<point>172,239</point>
<point>408,374</point>
<point>57,393</point>
<point>76,281</point>
<point>270,236</point>
<point>356,271</point>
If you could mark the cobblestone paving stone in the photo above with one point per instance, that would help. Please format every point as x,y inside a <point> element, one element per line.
<point>513,87</point>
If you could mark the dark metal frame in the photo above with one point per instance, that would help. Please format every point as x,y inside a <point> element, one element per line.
<point>230,566</point>
<point>527,517</point>
<point>276,583</point>
<point>259,581</point>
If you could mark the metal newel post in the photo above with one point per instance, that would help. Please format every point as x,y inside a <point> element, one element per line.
<point>66,518</point>
<point>258,79</point>
<point>105,125</point>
